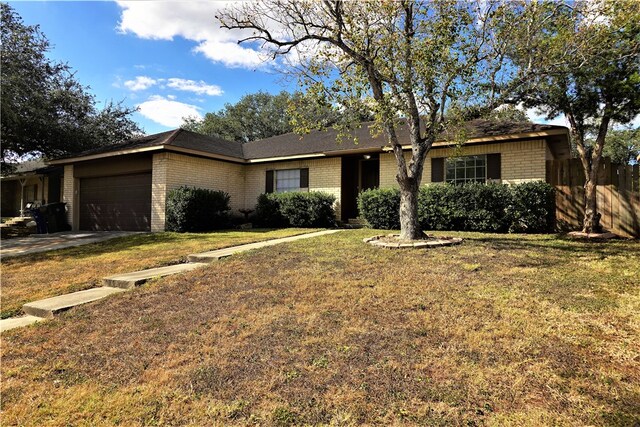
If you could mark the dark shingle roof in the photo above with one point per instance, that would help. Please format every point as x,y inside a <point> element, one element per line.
<point>316,142</point>
<point>177,138</point>
<point>292,144</point>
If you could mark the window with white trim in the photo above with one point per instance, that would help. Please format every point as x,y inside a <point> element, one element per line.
<point>460,170</point>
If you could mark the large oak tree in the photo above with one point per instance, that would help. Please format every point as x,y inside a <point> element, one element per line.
<point>414,63</point>
<point>45,110</point>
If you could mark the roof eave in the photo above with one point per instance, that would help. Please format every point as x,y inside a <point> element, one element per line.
<point>497,138</point>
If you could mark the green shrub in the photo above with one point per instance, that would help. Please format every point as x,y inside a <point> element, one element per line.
<point>313,209</point>
<point>533,209</point>
<point>492,208</point>
<point>380,208</point>
<point>470,207</point>
<point>267,212</point>
<point>196,209</point>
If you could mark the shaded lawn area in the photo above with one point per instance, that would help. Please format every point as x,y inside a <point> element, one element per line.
<point>32,277</point>
<point>502,330</point>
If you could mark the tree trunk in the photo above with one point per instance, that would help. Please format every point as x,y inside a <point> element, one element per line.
<point>409,226</point>
<point>591,222</point>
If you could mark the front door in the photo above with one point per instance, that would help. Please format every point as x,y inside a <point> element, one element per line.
<point>358,173</point>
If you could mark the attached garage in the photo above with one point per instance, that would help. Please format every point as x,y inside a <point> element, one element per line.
<point>116,203</point>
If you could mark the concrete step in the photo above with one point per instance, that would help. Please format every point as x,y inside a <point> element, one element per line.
<point>129,280</point>
<point>357,221</point>
<point>49,307</point>
<point>216,255</point>
<point>18,322</point>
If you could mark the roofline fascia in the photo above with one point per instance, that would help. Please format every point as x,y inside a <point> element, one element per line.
<point>104,155</point>
<point>294,157</point>
<point>200,153</point>
<point>497,138</point>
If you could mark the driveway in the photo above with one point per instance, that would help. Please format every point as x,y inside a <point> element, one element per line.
<point>49,242</point>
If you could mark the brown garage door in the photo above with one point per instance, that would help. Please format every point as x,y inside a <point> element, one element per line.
<point>116,203</point>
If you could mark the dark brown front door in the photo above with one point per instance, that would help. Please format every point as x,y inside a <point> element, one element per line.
<point>116,203</point>
<point>358,174</point>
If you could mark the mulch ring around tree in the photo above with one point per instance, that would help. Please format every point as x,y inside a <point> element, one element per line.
<point>393,241</point>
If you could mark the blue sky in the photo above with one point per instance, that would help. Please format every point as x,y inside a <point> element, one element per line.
<point>169,59</point>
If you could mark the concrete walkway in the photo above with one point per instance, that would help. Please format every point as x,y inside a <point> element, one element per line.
<point>50,307</point>
<point>49,242</point>
<point>223,253</point>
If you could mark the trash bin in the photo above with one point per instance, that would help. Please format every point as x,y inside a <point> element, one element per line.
<point>56,217</point>
<point>39,216</point>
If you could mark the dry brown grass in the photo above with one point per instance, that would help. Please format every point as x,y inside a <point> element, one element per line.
<point>32,277</point>
<point>502,330</point>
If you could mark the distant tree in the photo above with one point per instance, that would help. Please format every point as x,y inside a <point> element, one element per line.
<point>507,113</point>
<point>593,50</point>
<point>45,110</point>
<point>255,116</point>
<point>622,146</point>
<point>262,115</point>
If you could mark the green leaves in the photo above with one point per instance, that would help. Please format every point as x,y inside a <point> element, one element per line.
<point>45,110</point>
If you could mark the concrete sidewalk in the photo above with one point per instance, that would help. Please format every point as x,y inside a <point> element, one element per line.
<point>225,252</point>
<point>49,242</point>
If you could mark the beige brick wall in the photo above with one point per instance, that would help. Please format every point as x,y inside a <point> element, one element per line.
<point>70,196</point>
<point>521,161</point>
<point>158,191</point>
<point>324,175</point>
<point>171,170</point>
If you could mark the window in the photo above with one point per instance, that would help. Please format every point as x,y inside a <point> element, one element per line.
<point>460,170</point>
<point>287,180</point>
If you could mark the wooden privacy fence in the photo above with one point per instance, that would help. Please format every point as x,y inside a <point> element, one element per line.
<point>618,195</point>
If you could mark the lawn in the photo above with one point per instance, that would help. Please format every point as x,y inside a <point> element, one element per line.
<point>32,277</point>
<point>502,330</point>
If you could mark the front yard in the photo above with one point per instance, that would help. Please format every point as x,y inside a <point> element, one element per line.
<point>502,330</point>
<point>32,277</point>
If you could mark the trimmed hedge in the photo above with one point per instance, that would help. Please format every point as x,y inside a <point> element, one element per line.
<point>197,209</point>
<point>495,208</point>
<point>380,207</point>
<point>313,209</point>
<point>533,209</point>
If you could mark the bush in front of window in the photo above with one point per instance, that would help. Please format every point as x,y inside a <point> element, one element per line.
<point>495,208</point>
<point>267,212</point>
<point>469,207</point>
<point>380,208</point>
<point>296,209</point>
<point>197,209</point>
<point>533,209</point>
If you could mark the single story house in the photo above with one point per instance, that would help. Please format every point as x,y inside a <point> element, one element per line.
<point>125,186</point>
<point>30,181</point>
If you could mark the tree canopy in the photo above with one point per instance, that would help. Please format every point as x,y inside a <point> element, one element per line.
<point>623,145</point>
<point>262,115</point>
<point>590,73</point>
<point>45,110</point>
<point>412,63</point>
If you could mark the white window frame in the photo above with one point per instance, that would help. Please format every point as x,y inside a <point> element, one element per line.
<point>465,169</point>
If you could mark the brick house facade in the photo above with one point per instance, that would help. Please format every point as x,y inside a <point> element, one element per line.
<point>126,186</point>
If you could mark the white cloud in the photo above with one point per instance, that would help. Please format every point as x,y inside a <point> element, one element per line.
<point>164,20</point>
<point>140,83</point>
<point>537,116</point>
<point>167,112</point>
<point>199,88</point>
